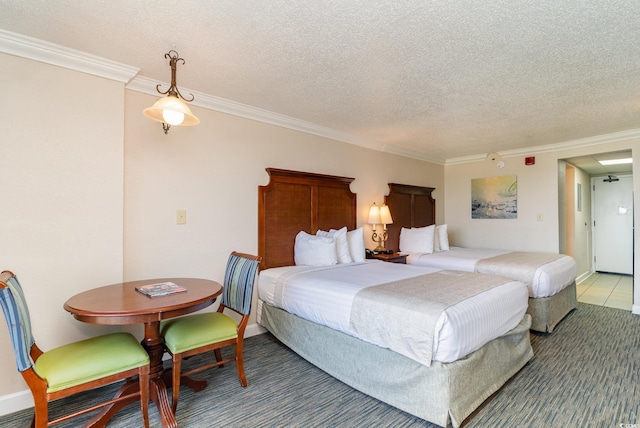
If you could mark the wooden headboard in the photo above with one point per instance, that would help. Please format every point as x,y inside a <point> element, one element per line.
<point>295,201</point>
<point>410,206</point>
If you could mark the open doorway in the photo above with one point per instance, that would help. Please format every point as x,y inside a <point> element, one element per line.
<point>597,217</point>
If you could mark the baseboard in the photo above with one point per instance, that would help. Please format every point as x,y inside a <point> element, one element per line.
<point>254,330</point>
<point>15,402</point>
<point>635,309</point>
<point>583,276</point>
<point>11,403</point>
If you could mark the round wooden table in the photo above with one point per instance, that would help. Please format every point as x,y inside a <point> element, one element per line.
<point>120,304</point>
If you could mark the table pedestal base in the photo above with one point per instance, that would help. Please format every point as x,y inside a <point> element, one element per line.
<point>157,394</point>
<point>196,385</point>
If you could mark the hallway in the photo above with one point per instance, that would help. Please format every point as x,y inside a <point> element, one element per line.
<point>606,289</point>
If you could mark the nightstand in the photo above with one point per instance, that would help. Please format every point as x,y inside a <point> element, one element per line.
<point>391,258</point>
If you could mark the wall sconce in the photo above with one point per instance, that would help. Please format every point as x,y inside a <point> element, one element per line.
<point>171,110</point>
<point>379,215</point>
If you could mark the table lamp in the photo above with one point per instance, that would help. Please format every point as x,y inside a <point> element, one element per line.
<point>379,215</point>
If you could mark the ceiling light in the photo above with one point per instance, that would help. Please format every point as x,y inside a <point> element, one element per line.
<point>171,110</point>
<point>616,161</point>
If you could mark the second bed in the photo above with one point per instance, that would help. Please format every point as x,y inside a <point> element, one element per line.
<point>550,277</point>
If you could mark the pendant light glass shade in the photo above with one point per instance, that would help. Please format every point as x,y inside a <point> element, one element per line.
<point>171,110</point>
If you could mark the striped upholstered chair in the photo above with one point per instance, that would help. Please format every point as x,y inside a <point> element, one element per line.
<point>211,331</point>
<point>71,368</point>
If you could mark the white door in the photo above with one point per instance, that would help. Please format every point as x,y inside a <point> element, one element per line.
<point>613,224</point>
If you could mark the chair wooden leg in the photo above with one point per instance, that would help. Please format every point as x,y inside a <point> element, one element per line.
<point>240,364</point>
<point>175,375</point>
<point>41,413</point>
<point>218,354</point>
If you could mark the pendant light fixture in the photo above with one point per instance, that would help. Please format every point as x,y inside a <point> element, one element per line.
<point>171,110</point>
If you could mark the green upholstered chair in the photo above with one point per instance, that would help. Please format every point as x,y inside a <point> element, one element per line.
<point>71,368</point>
<point>211,331</point>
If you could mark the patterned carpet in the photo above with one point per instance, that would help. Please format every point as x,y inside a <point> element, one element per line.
<point>585,374</point>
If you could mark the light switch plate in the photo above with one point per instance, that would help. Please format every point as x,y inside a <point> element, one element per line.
<point>181,217</point>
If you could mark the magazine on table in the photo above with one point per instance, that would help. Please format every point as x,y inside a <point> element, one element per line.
<point>160,289</point>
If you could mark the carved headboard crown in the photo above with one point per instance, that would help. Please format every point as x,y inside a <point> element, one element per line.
<point>294,201</point>
<point>410,206</point>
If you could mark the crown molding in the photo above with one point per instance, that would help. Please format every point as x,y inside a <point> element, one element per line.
<point>147,86</point>
<point>466,159</point>
<point>615,137</point>
<point>390,148</point>
<point>50,53</point>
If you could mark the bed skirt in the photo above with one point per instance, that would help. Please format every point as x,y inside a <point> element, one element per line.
<point>547,312</point>
<point>445,393</point>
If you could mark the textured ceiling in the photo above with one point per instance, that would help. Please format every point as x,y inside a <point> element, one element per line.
<point>444,78</point>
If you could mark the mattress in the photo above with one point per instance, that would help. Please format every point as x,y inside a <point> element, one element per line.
<point>324,295</point>
<point>547,280</point>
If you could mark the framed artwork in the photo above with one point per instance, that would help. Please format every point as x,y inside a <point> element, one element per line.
<point>494,197</point>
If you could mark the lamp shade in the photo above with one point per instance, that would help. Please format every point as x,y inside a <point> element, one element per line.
<point>385,215</point>
<point>171,110</point>
<point>374,214</point>
<point>379,215</point>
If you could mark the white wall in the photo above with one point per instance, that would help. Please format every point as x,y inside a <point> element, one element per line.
<point>62,179</point>
<point>537,194</point>
<point>574,225</point>
<point>582,225</point>
<point>213,171</point>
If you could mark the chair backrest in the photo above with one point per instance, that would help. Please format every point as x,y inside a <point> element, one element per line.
<point>16,315</point>
<point>239,278</point>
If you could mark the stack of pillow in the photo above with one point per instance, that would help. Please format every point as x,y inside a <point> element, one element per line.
<point>429,239</point>
<point>329,247</point>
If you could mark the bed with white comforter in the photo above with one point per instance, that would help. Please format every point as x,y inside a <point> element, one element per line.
<point>550,278</point>
<point>551,283</point>
<point>477,344</point>
<point>547,279</point>
<point>325,295</point>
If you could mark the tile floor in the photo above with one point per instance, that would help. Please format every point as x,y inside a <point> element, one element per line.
<point>606,289</point>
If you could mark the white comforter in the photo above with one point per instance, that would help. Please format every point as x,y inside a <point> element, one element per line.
<point>548,279</point>
<point>325,295</point>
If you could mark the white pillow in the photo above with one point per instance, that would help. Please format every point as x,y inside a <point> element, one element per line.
<point>355,239</point>
<point>311,250</point>
<point>441,239</point>
<point>417,239</point>
<point>342,247</point>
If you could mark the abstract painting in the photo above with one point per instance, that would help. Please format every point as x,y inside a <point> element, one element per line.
<point>494,197</point>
